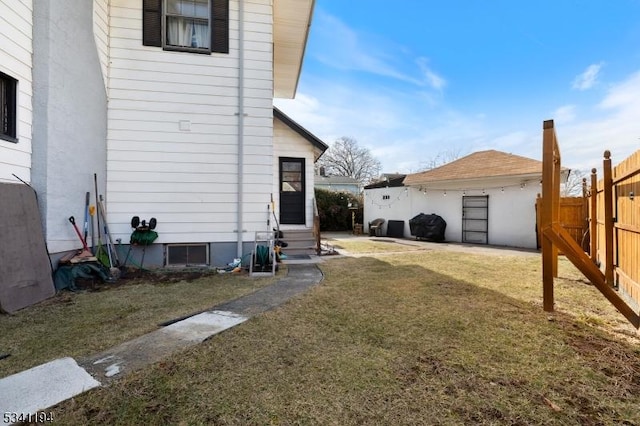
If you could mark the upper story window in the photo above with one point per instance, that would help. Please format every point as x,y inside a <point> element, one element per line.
<point>187,24</point>
<point>8,98</point>
<point>200,26</point>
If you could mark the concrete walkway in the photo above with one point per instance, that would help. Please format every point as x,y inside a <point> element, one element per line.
<point>46,385</point>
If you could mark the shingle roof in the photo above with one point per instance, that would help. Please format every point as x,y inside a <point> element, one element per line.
<point>394,181</point>
<point>335,180</point>
<point>481,164</point>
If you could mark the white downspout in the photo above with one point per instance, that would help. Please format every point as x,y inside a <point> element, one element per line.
<point>240,126</point>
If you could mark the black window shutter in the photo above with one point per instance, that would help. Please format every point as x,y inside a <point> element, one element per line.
<point>220,26</point>
<point>152,23</point>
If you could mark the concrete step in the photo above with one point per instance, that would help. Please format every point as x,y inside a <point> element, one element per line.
<point>300,242</point>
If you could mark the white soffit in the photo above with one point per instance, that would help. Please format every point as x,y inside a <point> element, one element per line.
<point>291,22</point>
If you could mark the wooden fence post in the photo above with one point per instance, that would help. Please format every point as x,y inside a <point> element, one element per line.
<point>608,218</point>
<point>546,213</point>
<point>593,217</point>
<point>556,197</point>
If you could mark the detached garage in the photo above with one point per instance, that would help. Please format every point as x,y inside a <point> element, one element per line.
<point>487,197</point>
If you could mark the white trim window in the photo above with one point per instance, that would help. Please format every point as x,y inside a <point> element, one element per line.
<point>199,26</point>
<point>187,24</point>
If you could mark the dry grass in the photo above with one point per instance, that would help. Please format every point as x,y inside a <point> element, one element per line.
<point>374,246</point>
<point>87,322</point>
<point>418,338</point>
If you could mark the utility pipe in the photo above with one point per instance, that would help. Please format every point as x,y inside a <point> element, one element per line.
<point>240,209</point>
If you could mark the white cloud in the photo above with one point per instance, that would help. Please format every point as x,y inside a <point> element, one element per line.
<point>565,114</point>
<point>615,128</point>
<point>433,79</point>
<point>588,78</point>
<point>624,94</point>
<point>341,47</point>
<point>404,129</point>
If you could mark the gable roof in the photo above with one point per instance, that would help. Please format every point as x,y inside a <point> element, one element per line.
<point>388,181</point>
<point>335,180</point>
<point>481,164</point>
<point>310,137</point>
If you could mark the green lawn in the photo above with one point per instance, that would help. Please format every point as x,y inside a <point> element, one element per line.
<point>420,337</point>
<point>86,322</point>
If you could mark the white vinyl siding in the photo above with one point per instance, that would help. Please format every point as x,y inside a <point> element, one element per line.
<point>288,143</point>
<point>172,149</point>
<point>16,49</point>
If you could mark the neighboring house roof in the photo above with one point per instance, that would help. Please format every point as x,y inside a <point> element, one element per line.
<point>291,22</point>
<point>335,180</point>
<point>320,146</point>
<point>482,164</point>
<point>390,181</point>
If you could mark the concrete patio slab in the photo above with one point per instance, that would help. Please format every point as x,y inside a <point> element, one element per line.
<point>43,386</point>
<point>152,347</point>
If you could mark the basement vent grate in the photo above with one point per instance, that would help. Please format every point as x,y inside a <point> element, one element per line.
<point>187,255</point>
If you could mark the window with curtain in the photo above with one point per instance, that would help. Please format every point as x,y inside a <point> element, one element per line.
<point>187,24</point>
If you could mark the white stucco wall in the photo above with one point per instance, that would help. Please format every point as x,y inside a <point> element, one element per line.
<point>101,35</point>
<point>288,143</point>
<point>16,48</point>
<point>396,207</point>
<point>512,216</point>
<point>70,110</point>
<point>173,133</point>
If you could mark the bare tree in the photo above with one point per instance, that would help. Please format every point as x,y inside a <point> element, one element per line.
<point>573,186</point>
<point>441,158</point>
<point>346,158</point>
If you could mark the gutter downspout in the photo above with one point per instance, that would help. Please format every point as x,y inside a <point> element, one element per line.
<point>240,208</point>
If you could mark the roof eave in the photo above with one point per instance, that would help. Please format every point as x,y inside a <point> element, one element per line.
<point>292,22</point>
<point>319,146</point>
<point>522,176</point>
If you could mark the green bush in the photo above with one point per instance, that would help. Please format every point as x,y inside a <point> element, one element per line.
<point>334,211</point>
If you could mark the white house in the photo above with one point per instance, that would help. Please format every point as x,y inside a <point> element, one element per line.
<point>487,197</point>
<point>295,151</point>
<point>337,183</point>
<point>170,104</point>
<point>16,90</point>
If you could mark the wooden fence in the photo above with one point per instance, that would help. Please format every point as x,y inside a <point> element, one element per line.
<point>615,240</point>
<point>620,185</point>
<point>573,217</point>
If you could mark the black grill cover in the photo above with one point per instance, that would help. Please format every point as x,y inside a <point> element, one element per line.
<point>428,226</point>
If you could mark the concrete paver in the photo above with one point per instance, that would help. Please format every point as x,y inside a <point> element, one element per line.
<point>43,386</point>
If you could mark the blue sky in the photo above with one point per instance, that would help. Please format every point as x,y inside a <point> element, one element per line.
<point>415,78</point>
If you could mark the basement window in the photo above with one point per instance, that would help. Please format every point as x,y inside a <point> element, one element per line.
<point>187,255</point>
<point>8,108</point>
